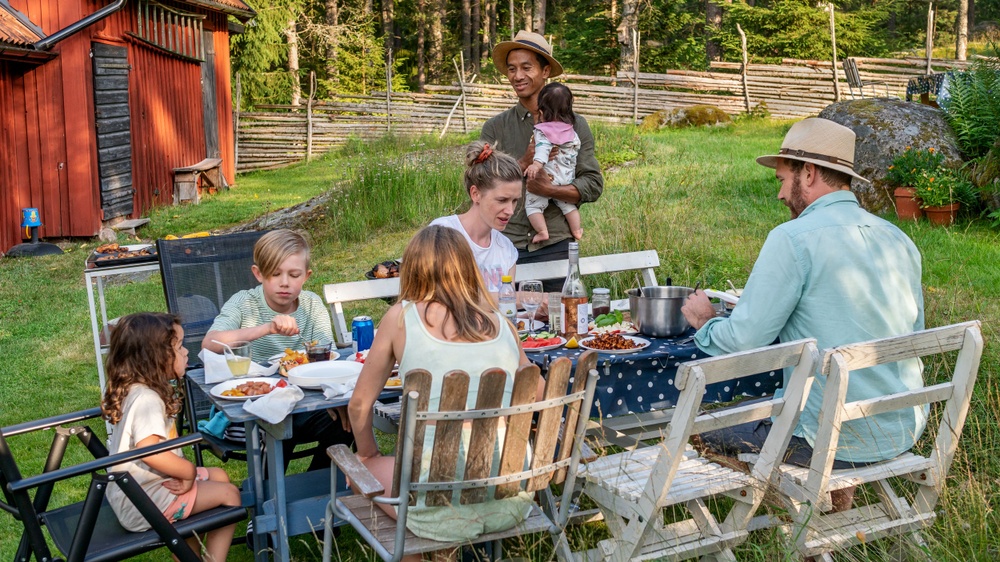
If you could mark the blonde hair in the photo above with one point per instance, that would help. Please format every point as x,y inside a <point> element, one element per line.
<point>141,351</point>
<point>485,167</point>
<point>438,267</point>
<point>275,247</point>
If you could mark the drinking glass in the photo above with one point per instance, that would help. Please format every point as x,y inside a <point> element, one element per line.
<point>532,295</point>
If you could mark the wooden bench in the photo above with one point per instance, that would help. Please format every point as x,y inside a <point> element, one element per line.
<point>336,294</point>
<point>189,180</point>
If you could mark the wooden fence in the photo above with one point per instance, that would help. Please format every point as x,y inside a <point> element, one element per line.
<point>276,136</point>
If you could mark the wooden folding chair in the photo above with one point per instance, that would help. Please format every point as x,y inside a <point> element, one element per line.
<point>854,80</point>
<point>529,461</point>
<point>807,490</point>
<point>633,488</point>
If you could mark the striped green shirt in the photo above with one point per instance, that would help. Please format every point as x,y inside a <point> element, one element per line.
<point>247,309</point>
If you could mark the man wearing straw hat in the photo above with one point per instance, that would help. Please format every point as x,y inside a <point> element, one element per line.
<point>528,63</point>
<point>835,273</point>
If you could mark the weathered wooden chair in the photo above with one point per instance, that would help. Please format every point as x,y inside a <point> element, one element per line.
<point>466,474</point>
<point>807,490</point>
<point>633,488</point>
<point>854,80</point>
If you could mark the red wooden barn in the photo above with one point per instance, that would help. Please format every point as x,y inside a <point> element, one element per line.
<point>101,99</point>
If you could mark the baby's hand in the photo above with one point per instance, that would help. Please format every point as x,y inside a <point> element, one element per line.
<point>533,170</point>
<point>178,487</point>
<point>284,325</point>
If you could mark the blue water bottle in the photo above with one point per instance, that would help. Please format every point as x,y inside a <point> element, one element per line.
<point>363,332</point>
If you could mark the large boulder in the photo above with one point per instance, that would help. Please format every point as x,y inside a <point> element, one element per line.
<point>680,117</point>
<point>885,128</point>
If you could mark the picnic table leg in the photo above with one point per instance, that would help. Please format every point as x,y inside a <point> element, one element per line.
<point>255,476</point>
<point>276,491</point>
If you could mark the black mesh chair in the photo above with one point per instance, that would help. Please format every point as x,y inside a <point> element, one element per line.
<point>89,530</point>
<point>199,276</point>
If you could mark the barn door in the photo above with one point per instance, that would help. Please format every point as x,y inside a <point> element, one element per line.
<point>114,138</point>
<point>208,103</point>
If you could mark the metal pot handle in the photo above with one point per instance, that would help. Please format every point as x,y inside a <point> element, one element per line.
<point>726,297</point>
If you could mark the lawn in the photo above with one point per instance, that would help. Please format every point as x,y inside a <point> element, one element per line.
<point>696,196</point>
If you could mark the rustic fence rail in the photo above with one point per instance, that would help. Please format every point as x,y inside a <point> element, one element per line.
<point>274,136</point>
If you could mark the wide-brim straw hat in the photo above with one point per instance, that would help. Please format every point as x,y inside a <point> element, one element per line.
<point>818,141</point>
<point>530,41</point>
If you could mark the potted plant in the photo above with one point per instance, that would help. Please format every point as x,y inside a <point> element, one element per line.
<point>941,192</point>
<point>903,174</point>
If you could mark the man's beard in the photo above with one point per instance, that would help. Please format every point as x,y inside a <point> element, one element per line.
<point>796,203</point>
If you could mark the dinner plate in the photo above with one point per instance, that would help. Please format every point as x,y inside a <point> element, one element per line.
<point>631,332</point>
<point>218,389</point>
<point>536,325</point>
<point>562,342</point>
<point>642,343</point>
<point>277,356</point>
<point>314,375</point>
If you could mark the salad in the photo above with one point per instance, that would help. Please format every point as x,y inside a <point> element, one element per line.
<point>611,323</point>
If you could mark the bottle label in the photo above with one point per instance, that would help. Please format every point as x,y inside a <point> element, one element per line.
<point>508,309</point>
<point>582,321</point>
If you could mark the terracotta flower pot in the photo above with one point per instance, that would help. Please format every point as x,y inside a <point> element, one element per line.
<point>907,208</point>
<point>943,215</point>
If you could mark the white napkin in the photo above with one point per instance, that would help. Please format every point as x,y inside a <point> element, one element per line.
<point>341,390</point>
<point>275,405</point>
<point>217,370</point>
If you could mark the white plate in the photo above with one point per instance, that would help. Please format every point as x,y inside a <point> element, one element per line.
<point>642,343</point>
<point>277,356</point>
<point>313,375</point>
<point>218,389</point>
<point>562,342</point>
<point>538,325</point>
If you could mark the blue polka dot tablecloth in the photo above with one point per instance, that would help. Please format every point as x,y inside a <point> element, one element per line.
<point>644,381</point>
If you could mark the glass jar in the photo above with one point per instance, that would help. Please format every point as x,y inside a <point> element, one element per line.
<point>600,301</point>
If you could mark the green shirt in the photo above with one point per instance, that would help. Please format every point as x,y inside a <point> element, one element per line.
<point>247,309</point>
<point>841,275</point>
<point>511,132</point>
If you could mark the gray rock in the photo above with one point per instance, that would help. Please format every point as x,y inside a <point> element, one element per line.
<point>885,127</point>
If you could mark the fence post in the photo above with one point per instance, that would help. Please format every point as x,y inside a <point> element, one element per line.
<point>635,77</point>
<point>309,115</point>
<point>461,85</point>
<point>929,45</point>
<point>388,91</point>
<point>743,69</point>
<point>833,43</point>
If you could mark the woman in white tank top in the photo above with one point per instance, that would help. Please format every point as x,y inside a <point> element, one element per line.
<point>444,320</point>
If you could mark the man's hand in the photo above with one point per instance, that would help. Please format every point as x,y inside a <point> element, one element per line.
<point>284,325</point>
<point>178,487</point>
<point>541,184</point>
<point>698,309</point>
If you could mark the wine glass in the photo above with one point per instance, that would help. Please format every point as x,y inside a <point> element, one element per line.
<point>532,295</point>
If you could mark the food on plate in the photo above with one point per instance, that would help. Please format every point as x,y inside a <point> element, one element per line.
<point>394,381</point>
<point>108,248</point>
<point>115,251</point>
<point>610,342</point>
<point>252,388</point>
<point>572,343</point>
<point>624,327</point>
<point>291,360</point>
<point>361,356</point>
<point>521,326</point>
<point>604,320</point>
<point>385,270</point>
<point>540,339</point>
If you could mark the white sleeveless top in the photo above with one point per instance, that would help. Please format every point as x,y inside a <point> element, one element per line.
<point>424,351</point>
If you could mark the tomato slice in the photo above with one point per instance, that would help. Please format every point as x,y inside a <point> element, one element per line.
<point>281,384</point>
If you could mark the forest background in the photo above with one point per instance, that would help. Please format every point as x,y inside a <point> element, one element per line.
<point>347,43</point>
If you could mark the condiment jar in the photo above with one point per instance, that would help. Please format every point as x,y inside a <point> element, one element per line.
<point>600,301</point>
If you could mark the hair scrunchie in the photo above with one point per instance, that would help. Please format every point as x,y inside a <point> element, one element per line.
<point>486,152</point>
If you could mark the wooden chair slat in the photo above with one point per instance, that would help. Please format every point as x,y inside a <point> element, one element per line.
<point>890,350</point>
<point>419,381</point>
<point>515,443</point>
<point>482,444</point>
<point>584,364</point>
<point>549,422</point>
<point>448,435</point>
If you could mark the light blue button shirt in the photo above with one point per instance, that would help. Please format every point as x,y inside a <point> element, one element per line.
<point>841,275</point>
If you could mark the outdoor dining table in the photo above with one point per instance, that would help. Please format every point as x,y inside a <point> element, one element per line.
<point>926,85</point>
<point>286,505</point>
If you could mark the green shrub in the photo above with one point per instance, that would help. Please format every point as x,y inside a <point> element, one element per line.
<point>943,186</point>
<point>973,107</point>
<point>909,165</point>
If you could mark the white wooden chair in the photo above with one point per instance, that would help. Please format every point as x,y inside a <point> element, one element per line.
<point>336,294</point>
<point>807,490</point>
<point>551,455</point>
<point>633,488</point>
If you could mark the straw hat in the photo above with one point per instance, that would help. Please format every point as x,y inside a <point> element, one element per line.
<point>818,141</point>
<point>530,41</point>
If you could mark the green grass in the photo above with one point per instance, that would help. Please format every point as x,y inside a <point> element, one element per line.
<point>696,196</point>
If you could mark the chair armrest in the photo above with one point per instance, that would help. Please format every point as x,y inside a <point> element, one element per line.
<point>348,463</point>
<point>102,463</point>
<point>54,421</point>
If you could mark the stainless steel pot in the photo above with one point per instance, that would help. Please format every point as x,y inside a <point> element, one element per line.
<point>657,312</point>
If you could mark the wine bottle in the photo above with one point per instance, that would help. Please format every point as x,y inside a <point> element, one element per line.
<point>574,297</point>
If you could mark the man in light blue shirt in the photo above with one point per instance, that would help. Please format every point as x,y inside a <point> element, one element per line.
<point>835,273</point>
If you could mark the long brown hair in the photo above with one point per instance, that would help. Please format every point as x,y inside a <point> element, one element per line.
<point>438,267</point>
<point>141,351</point>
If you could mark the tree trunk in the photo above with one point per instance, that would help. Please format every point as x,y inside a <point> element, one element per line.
<point>466,33</point>
<point>526,14</point>
<point>972,16</point>
<point>629,23</point>
<point>538,22</point>
<point>713,23</point>
<point>511,11</point>
<point>388,21</point>
<point>962,31</point>
<point>477,29</point>
<point>292,37</point>
<point>421,56</point>
<point>492,26</point>
<point>436,52</point>
<point>332,19</point>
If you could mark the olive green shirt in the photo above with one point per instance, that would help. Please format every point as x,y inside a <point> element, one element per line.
<point>511,132</point>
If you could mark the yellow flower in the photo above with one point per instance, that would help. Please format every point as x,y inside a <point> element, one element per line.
<point>891,167</point>
<point>931,150</point>
<point>931,179</point>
